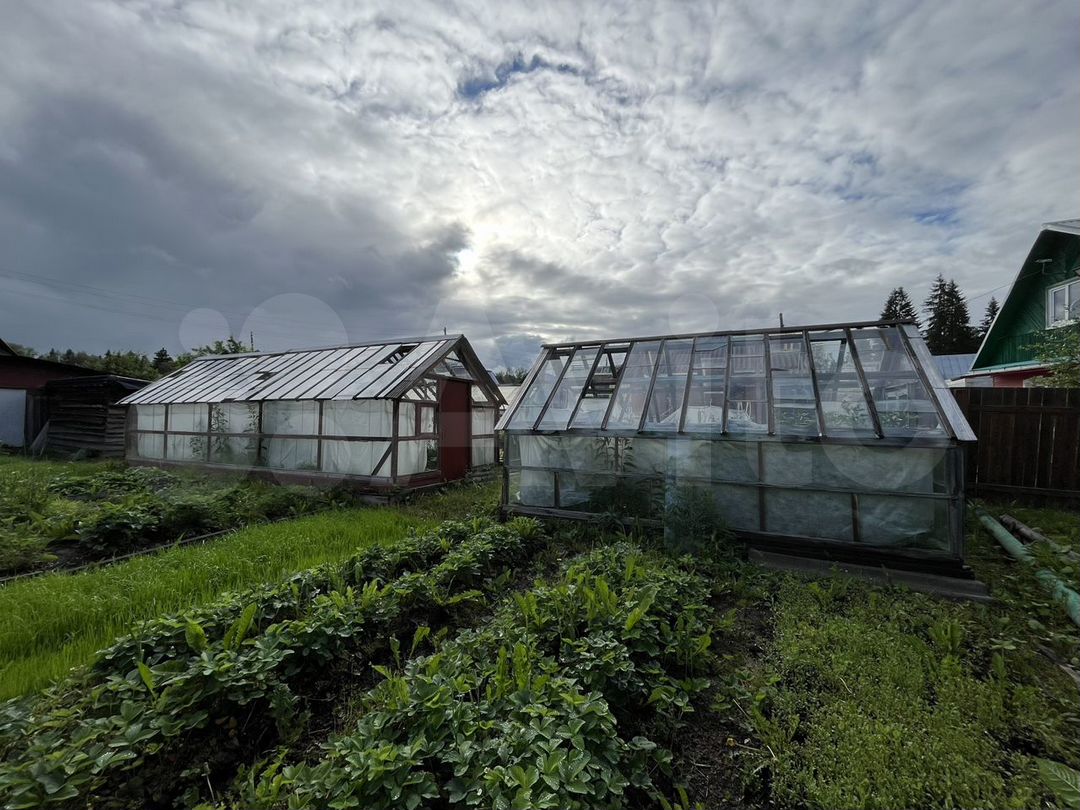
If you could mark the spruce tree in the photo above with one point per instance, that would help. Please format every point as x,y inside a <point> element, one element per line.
<point>162,361</point>
<point>898,307</point>
<point>988,317</point>
<point>948,330</point>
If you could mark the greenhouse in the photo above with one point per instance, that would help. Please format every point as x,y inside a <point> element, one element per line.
<point>401,414</point>
<point>838,439</point>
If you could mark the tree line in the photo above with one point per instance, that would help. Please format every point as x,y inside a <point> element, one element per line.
<point>948,328</point>
<point>135,364</point>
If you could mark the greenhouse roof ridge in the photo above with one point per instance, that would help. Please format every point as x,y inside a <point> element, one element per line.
<point>331,347</point>
<point>761,330</point>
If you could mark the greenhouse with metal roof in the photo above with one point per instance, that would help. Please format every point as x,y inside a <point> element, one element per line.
<point>400,414</point>
<point>839,439</point>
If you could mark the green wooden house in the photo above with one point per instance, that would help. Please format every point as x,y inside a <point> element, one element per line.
<point>1045,295</point>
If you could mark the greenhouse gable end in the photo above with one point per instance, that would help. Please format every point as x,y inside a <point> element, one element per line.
<point>838,439</point>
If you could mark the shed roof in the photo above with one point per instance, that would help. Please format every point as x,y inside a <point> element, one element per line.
<point>382,370</point>
<point>844,381</point>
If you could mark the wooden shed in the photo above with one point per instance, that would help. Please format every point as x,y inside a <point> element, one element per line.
<point>84,414</point>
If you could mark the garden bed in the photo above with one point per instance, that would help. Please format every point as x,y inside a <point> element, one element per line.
<point>62,516</point>
<point>478,665</point>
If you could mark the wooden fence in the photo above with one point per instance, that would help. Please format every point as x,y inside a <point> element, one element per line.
<point>1029,443</point>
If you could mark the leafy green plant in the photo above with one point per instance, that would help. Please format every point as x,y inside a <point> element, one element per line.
<point>181,685</point>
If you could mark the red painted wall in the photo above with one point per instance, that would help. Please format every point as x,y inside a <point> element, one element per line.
<point>1014,379</point>
<point>29,373</point>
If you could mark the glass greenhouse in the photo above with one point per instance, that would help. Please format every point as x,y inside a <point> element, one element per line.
<point>406,413</point>
<point>839,438</point>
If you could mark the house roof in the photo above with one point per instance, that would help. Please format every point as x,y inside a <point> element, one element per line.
<point>1014,318</point>
<point>1065,226</point>
<point>381,370</point>
<point>951,366</point>
<point>836,381</point>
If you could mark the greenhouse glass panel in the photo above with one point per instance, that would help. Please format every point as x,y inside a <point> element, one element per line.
<point>629,402</point>
<point>794,403</point>
<point>823,515</point>
<point>747,407</point>
<point>903,404</point>
<point>843,402</point>
<point>601,386</point>
<point>904,522</point>
<point>561,405</point>
<point>665,402</point>
<point>532,402</point>
<point>708,382</point>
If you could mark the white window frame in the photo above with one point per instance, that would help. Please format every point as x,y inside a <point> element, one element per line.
<point>1072,302</point>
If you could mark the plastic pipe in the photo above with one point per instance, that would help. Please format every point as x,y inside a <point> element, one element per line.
<point>1069,598</point>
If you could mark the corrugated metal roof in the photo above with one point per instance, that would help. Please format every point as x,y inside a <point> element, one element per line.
<point>367,371</point>
<point>951,366</point>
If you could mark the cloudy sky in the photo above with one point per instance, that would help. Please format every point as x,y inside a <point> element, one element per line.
<point>319,171</point>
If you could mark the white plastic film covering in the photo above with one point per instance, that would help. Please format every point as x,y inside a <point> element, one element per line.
<point>406,419</point>
<point>237,450</point>
<point>427,419</point>
<point>483,452</point>
<point>291,454</point>
<point>187,416</point>
<point>417,456</point>
<point>149,417</point>
<point>483,421</point>
<point>291,417</point>
<point>361,417</point>
<point>908,522</point>
<point>856,468</point>
<point>150,445</point>
<point>824,515</point>
<point>186,448</point>
<point>234,417</point>
<point>809,490</point>
<point>354,458</point>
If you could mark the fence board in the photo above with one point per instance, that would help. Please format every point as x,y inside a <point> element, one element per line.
<point>1028,443</point>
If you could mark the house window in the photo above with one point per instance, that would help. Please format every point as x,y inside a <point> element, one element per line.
<point>1063,304</point>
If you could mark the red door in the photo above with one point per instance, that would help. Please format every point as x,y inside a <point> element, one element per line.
<point>455,429</point>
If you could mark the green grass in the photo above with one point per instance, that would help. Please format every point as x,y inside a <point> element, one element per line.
<point>52,623</point>
<point>866,696</point>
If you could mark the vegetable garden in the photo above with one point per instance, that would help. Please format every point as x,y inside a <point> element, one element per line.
<point>473,664</point>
